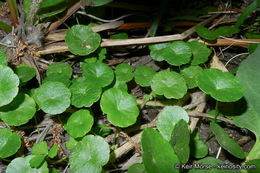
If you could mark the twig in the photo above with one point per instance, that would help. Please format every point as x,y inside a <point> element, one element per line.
<point>204,115</point>
<point>240,40</point>
<point>69,12</point>
<point>104,20</point>
<point>235,57</point>
<point>126,42</point>
<point>59,35</point>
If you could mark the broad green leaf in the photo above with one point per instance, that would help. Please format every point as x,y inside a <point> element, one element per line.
<point>8,85</point>
<point>156,50</point>
<point>79,123</point>
<point>170,84</point>
<point>9,143</point>
<point>252,47</point>
<point>53,97</point>
<point>252,7</point>
<point>211,165</point>
<point>200,52</point>
<point>40,148</point>
<point>205,33</point>
<point>24,72</point>
<point>178,53</point>
<point>84,92</point>
<point>98,73</point>
<point>19,111</point>
<point>143,75</point>
<point>251,120</point>
<point>222,86</point>
<point>89,155</point>
<point>249,74</point>
<point>158,155</point>
<point>180,140</point>
<point>50,8</point>
<point>22,165</point>
<point>57,77</point>
<point>3,59</point>
<point>53,151</point>
<point>124,72</point>
<point>190,74</point>
<point>253,166</point>
<point>37,161</point>
<point>95,3</point>
<point>81,40</point>
<point>120,107</point>
<point>136,168</point>
<point>226,142</point>
<point>122,35</point>
<point>168,118</point>
<point>60,68</point>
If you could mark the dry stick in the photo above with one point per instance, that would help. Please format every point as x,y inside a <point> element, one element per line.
<point>69,12</point>
<point>157,39</point>
<point>60,35</point>
<point>62,47</point>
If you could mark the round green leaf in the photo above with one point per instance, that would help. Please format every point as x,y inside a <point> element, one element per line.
<point>79,123</point>
<point>22,165</point>
<point>19,111</point>
<point>156,50</point>
<point>124,72</point>
<point>53,97</point>
<point>60,68</point>
<point>89,155</point>
<point>144,75</point>
<point>167,119</point>
<point>190,75</point>
<point>24,72</point>
<point>222,86</point>
<point>57,77</point>
<point>3,59</point>
<point>178,53</point>
<point>170,84</point>
<point>84,93</point>
<point>8,85</point>
<point>98,73</point>
<point>120,107</point>
<point>200,52</point>
<point>9,143</point>
<point>158,155</point>
<point>81,40</point>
